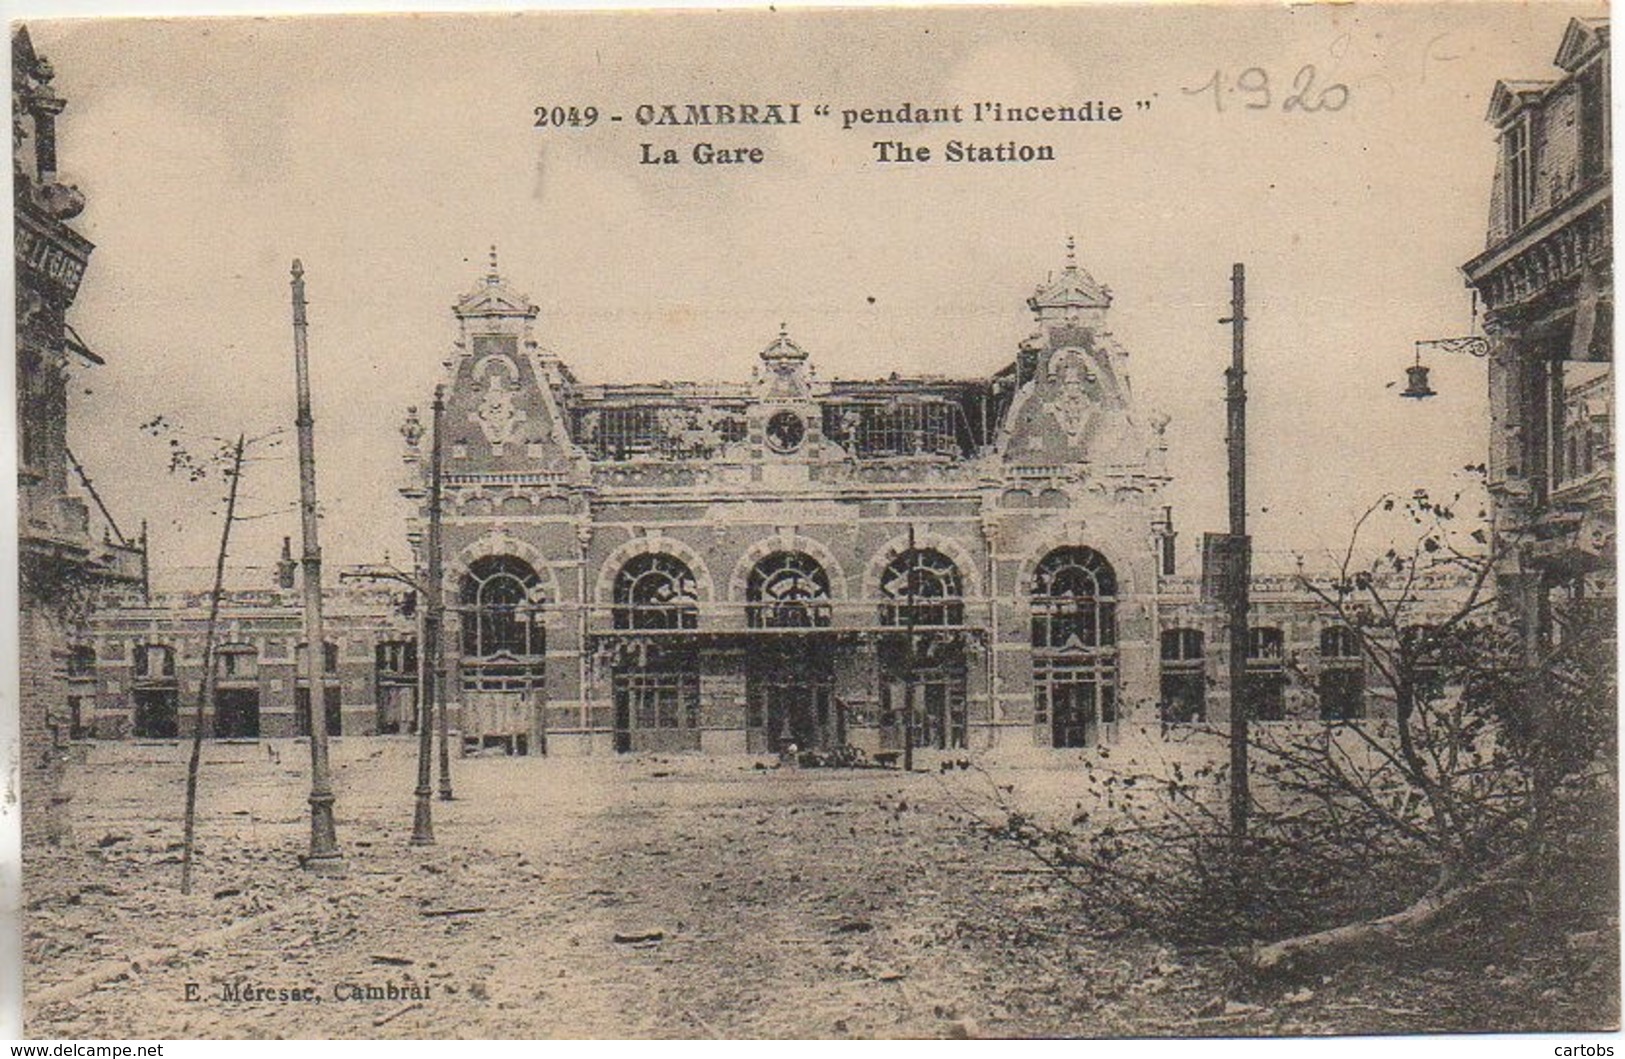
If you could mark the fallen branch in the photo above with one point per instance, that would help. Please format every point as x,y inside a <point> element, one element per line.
<point>384,1020</point>
<point>1295,955</point>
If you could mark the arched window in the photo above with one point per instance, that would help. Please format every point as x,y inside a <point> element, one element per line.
<point>1074,600</point>
<point>1184,679</point>
<point>501,601</point>
<point>787,590</point>
<point>922,587</point>
<point>656,591</point>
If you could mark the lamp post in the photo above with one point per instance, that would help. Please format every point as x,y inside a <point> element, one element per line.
<point>324,851</point>
<point>1416,384</point>
<point>428,590</point>
<point>434,600</point>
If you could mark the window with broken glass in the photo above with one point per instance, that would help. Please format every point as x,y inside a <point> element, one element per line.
<point>787,590</point>
<point>503,636</point>
<point>872,429</point>
<point>656,591</point>
<point>921,587</point>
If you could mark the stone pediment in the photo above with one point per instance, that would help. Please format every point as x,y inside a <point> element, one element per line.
<point>1073,290</point>
<point>1583,39</point>
<point>1509,96</point>
<point>492,297</point>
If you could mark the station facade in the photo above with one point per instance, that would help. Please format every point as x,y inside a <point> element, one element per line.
<point>955,563</point>
<point>958,564</point>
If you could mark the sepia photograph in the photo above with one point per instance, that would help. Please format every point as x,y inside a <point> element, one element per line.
<point>1086,520</point>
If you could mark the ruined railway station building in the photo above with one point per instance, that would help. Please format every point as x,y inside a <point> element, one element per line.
<point>739,566</point>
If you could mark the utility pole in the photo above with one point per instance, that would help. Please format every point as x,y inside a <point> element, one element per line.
<point>324,852</point>
<point>1239,564</point>
<point>205,695</point>
<point>429,662</point>
<point>909,678</point>
<point>434,618</point>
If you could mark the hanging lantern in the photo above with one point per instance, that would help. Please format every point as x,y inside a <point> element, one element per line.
<point>1417,382</point>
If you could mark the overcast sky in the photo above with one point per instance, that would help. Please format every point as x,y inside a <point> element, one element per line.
<point>389,152</point>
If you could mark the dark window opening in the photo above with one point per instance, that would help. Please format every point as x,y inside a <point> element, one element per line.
<point>1264,691</point>
<point>787,590</point>
<point>922,588</point>
<point>1184,678</point>
<point>923,694</point>
<point>656,591</point>
<point>1342,694</point>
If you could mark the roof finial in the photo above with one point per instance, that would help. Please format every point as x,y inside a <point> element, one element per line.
<point>493,276</point>
<point>1071,252</point>
<point>784,330</point>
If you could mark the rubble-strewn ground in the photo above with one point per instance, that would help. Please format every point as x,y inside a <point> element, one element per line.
<point>749,902</point>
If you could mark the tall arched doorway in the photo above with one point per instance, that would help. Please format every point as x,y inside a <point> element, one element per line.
<point>1074,639</point>
<point>922,671</point>
<point>790,676</point>
<point>656,678</point>
<point>504,647</point>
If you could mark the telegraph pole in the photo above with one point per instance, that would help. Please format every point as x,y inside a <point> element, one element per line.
<point>910,675</point>
<point>1239,564</point>
<point>429,662</point>
<point>324,846</point>
<point>434,618</point>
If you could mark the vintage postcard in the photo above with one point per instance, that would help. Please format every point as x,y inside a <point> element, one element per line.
<point>1091,520</point>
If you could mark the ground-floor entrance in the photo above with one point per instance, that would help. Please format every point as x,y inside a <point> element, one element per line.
<point>237,713</point>
<point>790,698</point>
<point>157,713</point>
<point>923,695</point>
<point>657,699</point>
<point>331,711</point>
<point>1075,700</point>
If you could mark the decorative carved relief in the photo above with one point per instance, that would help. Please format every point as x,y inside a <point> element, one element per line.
<point>497,415</point>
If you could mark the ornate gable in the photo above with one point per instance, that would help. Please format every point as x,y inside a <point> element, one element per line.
<point>1073,414</point>
<point>502,414</point>
<point>492,300</point>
